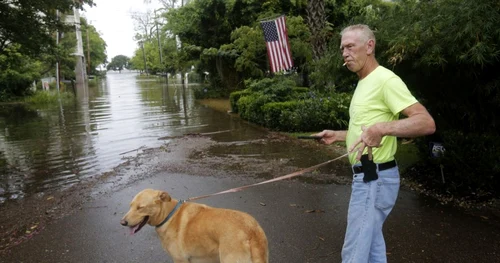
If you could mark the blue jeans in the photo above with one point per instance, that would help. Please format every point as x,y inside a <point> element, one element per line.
<point>369,206</point>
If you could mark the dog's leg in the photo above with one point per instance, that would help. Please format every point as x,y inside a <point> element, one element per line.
<point>259,251</point>
<point>235,254</point>
<point>235,259</point>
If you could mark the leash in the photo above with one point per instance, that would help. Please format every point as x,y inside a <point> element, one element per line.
<point>237,189</point>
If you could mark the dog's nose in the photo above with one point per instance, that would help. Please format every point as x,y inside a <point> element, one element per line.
<point>123,222</point>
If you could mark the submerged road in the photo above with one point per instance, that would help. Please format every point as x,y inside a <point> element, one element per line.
<point>303,222</point>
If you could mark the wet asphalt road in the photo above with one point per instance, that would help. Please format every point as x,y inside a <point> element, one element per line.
<point>415,231</point>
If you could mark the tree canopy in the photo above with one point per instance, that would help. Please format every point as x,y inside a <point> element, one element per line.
<point>118,63</point>
<point>20,66</point>
<point>31,24</point>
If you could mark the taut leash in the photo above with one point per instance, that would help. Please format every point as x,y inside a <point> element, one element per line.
<point>237,189</point>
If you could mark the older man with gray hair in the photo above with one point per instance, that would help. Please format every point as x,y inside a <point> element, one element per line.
<point>371,138</point>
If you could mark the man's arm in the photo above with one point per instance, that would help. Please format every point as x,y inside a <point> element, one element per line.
<point>418,123</point>
<point>330,136</point>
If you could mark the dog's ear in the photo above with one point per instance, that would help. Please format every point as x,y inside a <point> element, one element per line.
<point>165,197</point>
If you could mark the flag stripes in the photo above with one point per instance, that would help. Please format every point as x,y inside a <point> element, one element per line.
<point>277,44</point>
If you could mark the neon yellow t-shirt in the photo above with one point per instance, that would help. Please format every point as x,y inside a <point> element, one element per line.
<point>379,97</point>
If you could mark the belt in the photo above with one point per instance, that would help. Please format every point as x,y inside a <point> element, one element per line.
<point>381,167</point>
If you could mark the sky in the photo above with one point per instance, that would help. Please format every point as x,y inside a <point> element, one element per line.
<point>113,20</point>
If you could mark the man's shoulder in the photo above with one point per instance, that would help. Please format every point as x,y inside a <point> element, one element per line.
<point>380,76</point>
<point>385,73</point>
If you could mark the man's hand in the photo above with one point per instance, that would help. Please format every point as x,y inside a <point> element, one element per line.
<point>370,137</point>
<point>329,136</point>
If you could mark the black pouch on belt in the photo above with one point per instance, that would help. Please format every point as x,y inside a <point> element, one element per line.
<point>369,169</point>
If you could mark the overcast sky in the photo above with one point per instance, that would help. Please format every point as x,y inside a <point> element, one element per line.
<point>112,18</point>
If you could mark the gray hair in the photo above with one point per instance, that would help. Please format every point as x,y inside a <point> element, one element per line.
<point>366,32</point>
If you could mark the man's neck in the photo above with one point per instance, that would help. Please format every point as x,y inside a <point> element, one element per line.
<point>370,65</point>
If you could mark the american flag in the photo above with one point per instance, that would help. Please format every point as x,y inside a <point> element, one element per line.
<point>278,47</point>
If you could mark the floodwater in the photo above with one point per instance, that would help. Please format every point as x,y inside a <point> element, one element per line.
<point>57,146</point>
<point>52,148</point>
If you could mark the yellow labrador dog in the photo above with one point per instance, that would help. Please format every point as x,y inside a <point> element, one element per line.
<point>196,233</point>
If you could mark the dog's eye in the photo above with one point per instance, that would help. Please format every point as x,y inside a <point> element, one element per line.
<point>139,207</point>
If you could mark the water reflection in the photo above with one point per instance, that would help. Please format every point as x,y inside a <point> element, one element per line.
<point>57,146</point>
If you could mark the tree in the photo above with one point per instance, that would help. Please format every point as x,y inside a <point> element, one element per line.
<point>167,3</point>
<point>17,72</point>
<point>206,26</point>
<point>137,61</point>
<point>203,23</point>
<point>249,49</point>
<point>448,52</point>
<point>32,24</point>
<point>96,44</point>
<point>316,20</point>
<point>144,23</point>
<point>118,63</point>
<point>64,55</point>
<point>21,66</point>
<point>327,73</point>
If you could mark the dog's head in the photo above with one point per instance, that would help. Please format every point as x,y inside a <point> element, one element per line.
<point>144,208</point>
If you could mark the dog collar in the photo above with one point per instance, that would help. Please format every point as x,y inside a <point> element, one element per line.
<point>172,212</point>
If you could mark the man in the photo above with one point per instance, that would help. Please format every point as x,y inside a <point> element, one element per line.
<point>371,137</point>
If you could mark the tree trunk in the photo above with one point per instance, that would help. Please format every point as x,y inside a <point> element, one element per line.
<point>230,79</point>
<point>316,20</point>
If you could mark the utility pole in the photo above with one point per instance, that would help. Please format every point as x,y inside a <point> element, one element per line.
<point>57,62</point>
<point>144,57</point>
<point>159,42</point>
<point>79,54</point>
<point>88,50</point>
<point>182,70</point>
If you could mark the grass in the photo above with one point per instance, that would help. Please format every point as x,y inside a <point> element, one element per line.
<point>221,105</point>
<point>94,82</point>
<point>49,97</point>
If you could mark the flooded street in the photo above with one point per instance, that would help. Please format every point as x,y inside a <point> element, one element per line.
<point>68,173</point>
<point>52,148</point>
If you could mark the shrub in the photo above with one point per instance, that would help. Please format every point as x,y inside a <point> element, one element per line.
<point>311,114</point>
<point>263,91</point>
<point>274,115</point>
<point>471,166</point>
<point>300,90</point>
<point>266,85</point>
<point>277,104</point>
<point>235,96</point>
<point>250,107</point>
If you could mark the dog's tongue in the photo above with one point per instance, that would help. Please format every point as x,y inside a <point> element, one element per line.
<point>133,229</point>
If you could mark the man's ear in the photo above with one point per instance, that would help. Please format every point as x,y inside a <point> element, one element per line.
<point>370,47</point>
<point>165,197</point>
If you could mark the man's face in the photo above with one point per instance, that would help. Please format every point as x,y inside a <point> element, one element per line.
<point>354,50</point>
